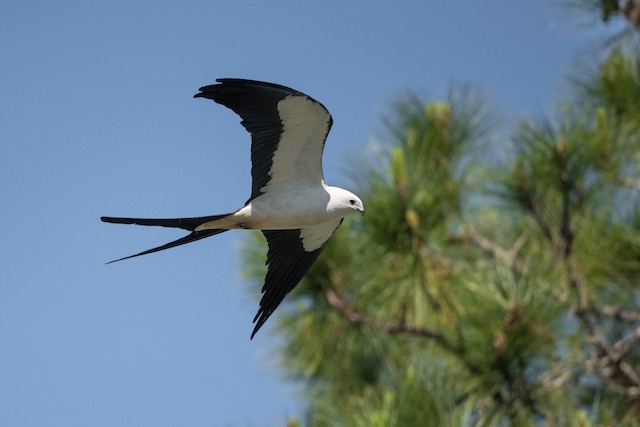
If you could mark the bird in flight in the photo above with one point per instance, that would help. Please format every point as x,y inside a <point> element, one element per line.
<point>290,203</point>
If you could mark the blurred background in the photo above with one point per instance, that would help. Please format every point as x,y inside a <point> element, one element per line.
<point>97,118</point>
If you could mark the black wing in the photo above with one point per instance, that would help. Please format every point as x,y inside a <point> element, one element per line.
<point>297,127</point>
<point>288,263</point>
<point>291,254</point>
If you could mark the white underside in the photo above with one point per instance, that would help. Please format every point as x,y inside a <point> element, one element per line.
<point>305,208</point>
<point>281,210</point>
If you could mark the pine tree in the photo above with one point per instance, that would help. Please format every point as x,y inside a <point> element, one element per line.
<point>493,281</point>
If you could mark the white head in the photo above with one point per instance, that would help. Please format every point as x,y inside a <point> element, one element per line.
<point>344,202</point>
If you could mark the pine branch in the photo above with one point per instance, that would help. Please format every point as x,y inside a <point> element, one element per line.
<point>616,372</point>
<point>623,346</point>
<point>608,361</point>
<point>539,218</point>
<point>508,256</point>
<point>354,316</point>
<point>628,182</point>
<point>618,313</point>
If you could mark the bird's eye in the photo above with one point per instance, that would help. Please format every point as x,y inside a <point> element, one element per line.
<point>353,202</point>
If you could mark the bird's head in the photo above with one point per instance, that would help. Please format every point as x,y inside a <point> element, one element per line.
<point>345,201</point>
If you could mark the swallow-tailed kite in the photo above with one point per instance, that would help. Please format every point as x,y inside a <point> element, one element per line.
<point>290,202</point>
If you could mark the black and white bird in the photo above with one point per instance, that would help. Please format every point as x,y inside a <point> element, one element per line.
<point>290,202</point>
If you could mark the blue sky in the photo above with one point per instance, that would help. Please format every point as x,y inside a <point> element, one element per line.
<point>97,118</point>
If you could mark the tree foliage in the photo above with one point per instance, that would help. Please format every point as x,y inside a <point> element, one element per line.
<point>494,280</point>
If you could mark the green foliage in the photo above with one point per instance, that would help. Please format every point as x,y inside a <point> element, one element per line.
<point>484,288</point>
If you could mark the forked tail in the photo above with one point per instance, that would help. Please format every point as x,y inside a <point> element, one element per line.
<point>189,224</point>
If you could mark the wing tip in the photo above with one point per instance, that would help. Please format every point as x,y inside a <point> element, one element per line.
<point>258,325</point>
<point>238,83</point>
<point>260,319</point>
